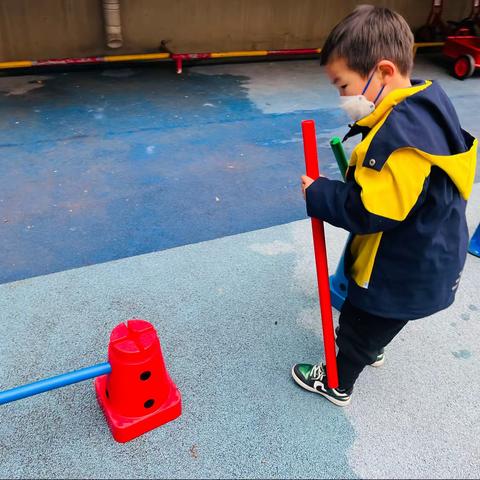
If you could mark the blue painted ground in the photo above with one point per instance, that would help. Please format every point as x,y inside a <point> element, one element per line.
<point>97,167</point>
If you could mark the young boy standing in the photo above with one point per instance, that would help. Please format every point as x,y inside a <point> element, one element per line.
<point>404,197</point>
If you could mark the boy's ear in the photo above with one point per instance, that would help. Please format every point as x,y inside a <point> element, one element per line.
<point>387,70</point>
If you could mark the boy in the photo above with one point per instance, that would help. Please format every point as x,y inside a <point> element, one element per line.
<point>403,199</point>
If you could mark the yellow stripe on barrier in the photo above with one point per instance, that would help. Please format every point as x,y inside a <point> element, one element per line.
<point>19,64</point>
<point>418,45</point>
<point>146,56</point>
<point>252,53</point>
<point>429,44</point>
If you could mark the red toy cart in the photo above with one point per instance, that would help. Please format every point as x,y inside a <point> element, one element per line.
<point>465,53</point>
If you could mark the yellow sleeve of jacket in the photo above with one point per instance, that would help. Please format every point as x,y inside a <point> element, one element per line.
<point>373,200</point>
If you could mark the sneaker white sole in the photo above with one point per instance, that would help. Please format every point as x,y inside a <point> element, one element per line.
<point>339,403</point>
<point>378,363</point>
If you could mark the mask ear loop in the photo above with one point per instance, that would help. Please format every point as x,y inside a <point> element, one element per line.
<point>366,87</point>
<point>368,82</point>
<point>378,96</point>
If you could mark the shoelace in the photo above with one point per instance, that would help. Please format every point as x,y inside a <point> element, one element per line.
<point>317,372</point>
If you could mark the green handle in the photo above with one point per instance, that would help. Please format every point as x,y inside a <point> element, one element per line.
<point>340,156</point>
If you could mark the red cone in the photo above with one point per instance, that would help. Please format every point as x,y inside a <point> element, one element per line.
<point>138,395</point>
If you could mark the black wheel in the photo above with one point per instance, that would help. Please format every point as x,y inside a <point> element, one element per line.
<point>463,67</point>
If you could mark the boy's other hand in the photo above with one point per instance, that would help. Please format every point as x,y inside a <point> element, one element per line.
<point>306,182</point>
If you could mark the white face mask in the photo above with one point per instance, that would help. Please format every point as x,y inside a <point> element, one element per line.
<point>357,106</point>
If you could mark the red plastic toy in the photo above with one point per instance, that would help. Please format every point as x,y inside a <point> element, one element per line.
<point>138,395</point>
<point>465,53</point>
<point>311,164</point>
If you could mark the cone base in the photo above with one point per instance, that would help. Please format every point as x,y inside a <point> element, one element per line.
<point>125,428</point>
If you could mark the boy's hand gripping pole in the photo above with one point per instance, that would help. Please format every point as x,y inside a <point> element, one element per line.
<point>311,163</point>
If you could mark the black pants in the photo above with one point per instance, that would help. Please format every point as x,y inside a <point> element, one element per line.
<point>360,338</point>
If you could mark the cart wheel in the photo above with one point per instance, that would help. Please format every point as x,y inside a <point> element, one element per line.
<point>463,67</point>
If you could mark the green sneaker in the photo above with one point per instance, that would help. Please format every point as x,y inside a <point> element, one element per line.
<point>314,379</point>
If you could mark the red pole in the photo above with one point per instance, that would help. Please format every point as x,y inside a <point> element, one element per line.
<point>178,61</point>
<point>311,163</point>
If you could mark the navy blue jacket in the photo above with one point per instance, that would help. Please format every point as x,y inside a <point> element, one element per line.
<point>404,201</point>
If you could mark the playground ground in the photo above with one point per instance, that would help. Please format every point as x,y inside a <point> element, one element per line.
<point>136,193</point>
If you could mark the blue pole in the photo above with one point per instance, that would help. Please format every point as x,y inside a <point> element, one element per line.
<point>339,284</point>
<point>474,247</point>
<point>54,382</point>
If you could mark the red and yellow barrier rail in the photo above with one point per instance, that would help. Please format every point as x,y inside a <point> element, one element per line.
<point>178,58</point>
<point>84,60</point>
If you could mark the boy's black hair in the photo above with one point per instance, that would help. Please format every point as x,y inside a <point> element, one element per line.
<point>366,36</point>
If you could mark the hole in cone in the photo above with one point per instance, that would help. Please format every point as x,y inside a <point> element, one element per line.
<point>149,403</point>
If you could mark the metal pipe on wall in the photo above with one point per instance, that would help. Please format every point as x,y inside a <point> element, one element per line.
<point>113,27</point>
